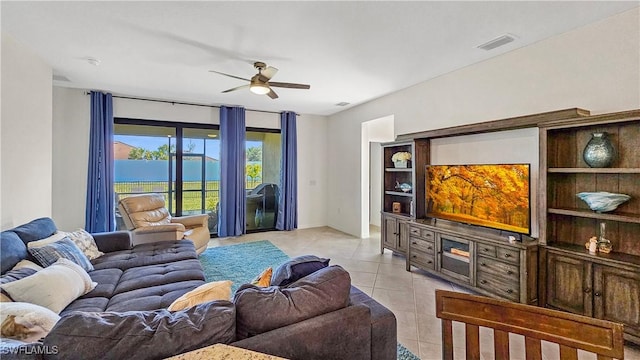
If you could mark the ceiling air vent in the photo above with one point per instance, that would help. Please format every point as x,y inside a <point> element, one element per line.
<point>342,104</point>
<point>497,42</point>
<point>60,78</point>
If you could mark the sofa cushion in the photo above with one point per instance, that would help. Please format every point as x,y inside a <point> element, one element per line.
<point>35,230</point>
<point>263,309</point>
<point>12,250</point>
<point>54,287</point>
<point>142,334</point>
<point>63,249</point>
<point>297,268</point>
<point>147,254</point>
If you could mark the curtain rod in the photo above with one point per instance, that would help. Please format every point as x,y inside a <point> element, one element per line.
<point>182,103</point>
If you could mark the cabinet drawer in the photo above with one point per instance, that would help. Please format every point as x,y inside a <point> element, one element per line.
<point>422,233</point>
<point>496,285</point>
<point>422,259</point>
<point>487,250</point>
<point>422,245</point>
<point>510,255</point>
<point>499,268</point>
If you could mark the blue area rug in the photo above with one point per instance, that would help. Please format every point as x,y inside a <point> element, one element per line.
<point>241,263</point>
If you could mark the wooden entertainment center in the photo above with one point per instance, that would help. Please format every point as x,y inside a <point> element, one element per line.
<point>555,270</point>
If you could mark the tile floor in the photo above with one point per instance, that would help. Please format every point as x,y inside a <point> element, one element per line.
<point>410,295</point>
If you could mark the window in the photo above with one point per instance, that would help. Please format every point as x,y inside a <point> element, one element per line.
<point>147,153</point>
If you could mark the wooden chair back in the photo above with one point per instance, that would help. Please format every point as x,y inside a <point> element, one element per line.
<point>571,332</point>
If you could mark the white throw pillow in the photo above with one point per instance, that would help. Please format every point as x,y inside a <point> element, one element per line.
<point>53,287</point>
<point>35,321</point>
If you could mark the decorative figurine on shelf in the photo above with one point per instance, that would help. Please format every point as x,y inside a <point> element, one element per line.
<point>592,245</point>
<point>604,245</point>
<point>400,159</point>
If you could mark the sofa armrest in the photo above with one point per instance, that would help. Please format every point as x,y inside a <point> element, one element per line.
<point>192,221</point>
<point>321,337</point>
<point>384,336</point>
<point>112,241</point>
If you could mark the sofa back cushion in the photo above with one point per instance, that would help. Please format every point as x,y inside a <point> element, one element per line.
<point>263,309</point>
<point>12,250</point>
<point>142,334</point>
<point>35,230</point>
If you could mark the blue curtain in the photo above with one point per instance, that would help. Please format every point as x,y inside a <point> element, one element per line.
<point>231,216</point>
<point>288,200</point>
<point>100,196</point>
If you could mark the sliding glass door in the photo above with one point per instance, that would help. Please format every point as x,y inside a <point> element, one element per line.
<point>182,162</point>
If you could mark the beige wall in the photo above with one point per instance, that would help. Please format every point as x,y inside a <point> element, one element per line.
<point>71,142</point>
<point>596,67</point>
<point>25,136</point>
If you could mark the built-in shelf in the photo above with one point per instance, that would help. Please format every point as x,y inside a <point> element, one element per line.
<point>628,218</point>
<point>398,169</point>
<point>399,193</point>
<point>572,249</point>
<point>595,170</point>
<point>456,257</point>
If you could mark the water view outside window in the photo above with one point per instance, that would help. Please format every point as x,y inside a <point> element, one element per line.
<point>145,162</point>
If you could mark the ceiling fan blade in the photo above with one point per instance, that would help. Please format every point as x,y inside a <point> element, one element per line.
<point>289,85</point>
<point>232,76</point>
<point>236,88</point>
<point>268,73</point>
<point>272,94</point>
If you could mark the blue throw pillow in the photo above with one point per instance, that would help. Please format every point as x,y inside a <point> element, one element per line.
<point>297,268</point>
<point>65,248</point>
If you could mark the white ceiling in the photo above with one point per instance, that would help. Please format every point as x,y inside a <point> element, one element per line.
<point>346,51</point>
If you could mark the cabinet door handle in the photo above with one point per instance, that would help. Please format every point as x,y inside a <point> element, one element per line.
<point>507,255</point>
<point>483,281</point>
<point>429,248</point>
<point>483,264</point>
<point>597,293</point>
<point>429,262</point>
<point>414,256</point>
<point>485,249</point>
<point>509,272</point>
<point>509,291</point>
<point>414,243</point>
<point>587,290</point>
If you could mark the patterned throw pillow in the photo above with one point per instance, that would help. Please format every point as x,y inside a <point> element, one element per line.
<point>85,242</point>
<point>215,290</point>
<point>66,249</point>
<point>264,279</point>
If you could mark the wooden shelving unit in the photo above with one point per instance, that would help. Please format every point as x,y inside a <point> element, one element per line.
<point>601,285</point>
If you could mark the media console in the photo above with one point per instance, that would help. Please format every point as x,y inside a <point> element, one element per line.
<point>478,259</point>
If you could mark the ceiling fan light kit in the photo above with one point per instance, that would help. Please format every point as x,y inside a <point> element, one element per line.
<point>259,83</point>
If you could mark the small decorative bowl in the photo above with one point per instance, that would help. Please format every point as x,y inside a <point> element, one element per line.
<point>603,201</point>
<point>405,187</point>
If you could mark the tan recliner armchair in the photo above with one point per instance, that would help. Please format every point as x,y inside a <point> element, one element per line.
<point>148,219</point>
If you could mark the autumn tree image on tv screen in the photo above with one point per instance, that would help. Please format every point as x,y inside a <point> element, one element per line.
<point>495,196</point>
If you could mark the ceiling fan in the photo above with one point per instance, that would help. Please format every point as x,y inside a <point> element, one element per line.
<point>260,84</point>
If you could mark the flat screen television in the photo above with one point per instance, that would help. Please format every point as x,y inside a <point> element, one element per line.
<point>495,196</point>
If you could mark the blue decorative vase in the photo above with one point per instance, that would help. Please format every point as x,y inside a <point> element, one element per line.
<point>599,151</point>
